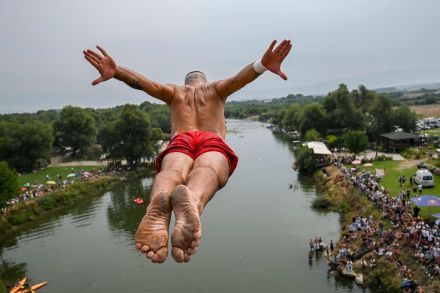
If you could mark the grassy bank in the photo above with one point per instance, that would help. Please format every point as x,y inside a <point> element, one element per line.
<point>40,175</point>
<point>393,170</point>
<point>32,209</point>
<point>348,202</point>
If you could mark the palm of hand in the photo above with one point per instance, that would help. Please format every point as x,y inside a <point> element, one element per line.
<point>272,59</point>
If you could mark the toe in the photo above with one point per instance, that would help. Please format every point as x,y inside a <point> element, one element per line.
<point>138,246</point>
<point>178,254</point>
<point>187,257</point>
<point>145,248</point>
<point>191,251</point>
<point>162,254</point>
<point>150,254</point>
<point>195,243</point>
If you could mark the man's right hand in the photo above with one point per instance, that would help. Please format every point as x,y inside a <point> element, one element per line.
<point>103,63</point>
<point>272,59</point>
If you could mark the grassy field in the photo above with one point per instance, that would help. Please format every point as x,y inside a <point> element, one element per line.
<point>426,110</point>
<point>40,175</point>
<point>393,170</point>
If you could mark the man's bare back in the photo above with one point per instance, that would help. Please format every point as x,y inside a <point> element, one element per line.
<point>197,107</point>
<point>197,162</point>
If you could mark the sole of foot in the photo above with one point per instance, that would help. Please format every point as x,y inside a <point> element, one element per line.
<point>188,230</point>
<point>152,234</point>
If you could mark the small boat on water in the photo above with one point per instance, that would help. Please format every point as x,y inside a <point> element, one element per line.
<point>19,285</point>
<point>23,287</point>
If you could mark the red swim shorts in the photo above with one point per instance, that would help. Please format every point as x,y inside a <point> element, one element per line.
<point>194,143</point>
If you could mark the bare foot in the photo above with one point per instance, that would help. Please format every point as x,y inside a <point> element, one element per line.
<point>152,234</point>
<point>188,230</point>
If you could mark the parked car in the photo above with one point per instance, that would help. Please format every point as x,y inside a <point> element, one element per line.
<point>424,177</point>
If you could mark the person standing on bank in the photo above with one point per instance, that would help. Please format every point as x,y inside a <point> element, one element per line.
<point>197,161</point>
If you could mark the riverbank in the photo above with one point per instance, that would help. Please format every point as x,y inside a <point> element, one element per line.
<point>374,234</point>
<point>31,210</point>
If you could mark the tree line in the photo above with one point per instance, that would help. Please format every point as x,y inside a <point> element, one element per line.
<point>131,132</point>
<point>334,114</point>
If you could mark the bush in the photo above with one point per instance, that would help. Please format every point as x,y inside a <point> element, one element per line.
<point>47,202</point>
<point>383,158</point>
<point>321,202</point>
<point>304,160</point>
<point>383,277</point>
<point>409,153</point>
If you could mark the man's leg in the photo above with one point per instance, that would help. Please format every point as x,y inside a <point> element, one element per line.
<point>210,173</point>
<point>152,234</point>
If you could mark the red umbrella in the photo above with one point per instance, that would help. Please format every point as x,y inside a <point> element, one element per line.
<point>138,200</point>
<point>23,189</point>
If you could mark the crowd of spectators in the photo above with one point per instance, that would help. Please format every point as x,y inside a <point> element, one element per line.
<point>37,189</point>
<point>406,229</point>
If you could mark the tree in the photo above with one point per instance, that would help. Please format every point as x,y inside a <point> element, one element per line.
<point>75,128</point>
<point>356,141</point>
<point>311,135</point>
<point>341,110</point>
<point>23,146</point>
<point>404,118</point>
<point>8,184</point>
<point>332,140</point>
<point>304,160</point>
<point>380,113</point>
<point>312,116</point>
<point>290,117</point>
<point>130,137</point>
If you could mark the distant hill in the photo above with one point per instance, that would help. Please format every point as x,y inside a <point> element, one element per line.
<point>433,86</point>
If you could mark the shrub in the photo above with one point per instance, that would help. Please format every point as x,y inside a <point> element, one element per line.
<point>304,160</point>
<point>321,202</point>
<point>409,153</point>
<point>383,158</point>
<point>47,202</point>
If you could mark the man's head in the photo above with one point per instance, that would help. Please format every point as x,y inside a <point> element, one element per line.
<point>195,76</point>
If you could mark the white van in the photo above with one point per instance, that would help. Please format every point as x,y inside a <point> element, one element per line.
<point>424,177</point>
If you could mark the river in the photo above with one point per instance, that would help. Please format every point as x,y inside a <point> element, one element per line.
<point>255,235</point>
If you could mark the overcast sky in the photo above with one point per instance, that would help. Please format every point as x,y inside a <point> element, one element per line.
<point>375,42</point>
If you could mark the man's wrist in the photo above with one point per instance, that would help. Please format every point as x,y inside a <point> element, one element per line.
<point>259,67</point>
<point>118,72</point>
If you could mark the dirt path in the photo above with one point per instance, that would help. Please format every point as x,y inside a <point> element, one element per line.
<point>80,163</point>
<point>408,164</point>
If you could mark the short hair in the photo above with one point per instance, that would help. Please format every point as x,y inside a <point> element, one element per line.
<point>193,75</point>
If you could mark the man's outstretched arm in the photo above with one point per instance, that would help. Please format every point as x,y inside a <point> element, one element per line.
<point>271,61</point>
<point>108,69</point>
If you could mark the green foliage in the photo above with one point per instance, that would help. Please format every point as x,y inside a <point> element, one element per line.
<point>380,113</point>
<point>75,128</point>
<point>311,135</point>
<point>404,118</point>
<point>304,160</point>
<point>312,116</point>
<point>25,146</point>
<point>29,210</point>
<point>321,202</point>
<point>8,184</point>
<point>355,140</point>
<point>131,136</point>
<point>290,118</point>
<point>385,277</point>
<point>409,153</point>
<point>341,110</point>
<point>381,158</point>
<point>332,140</point>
